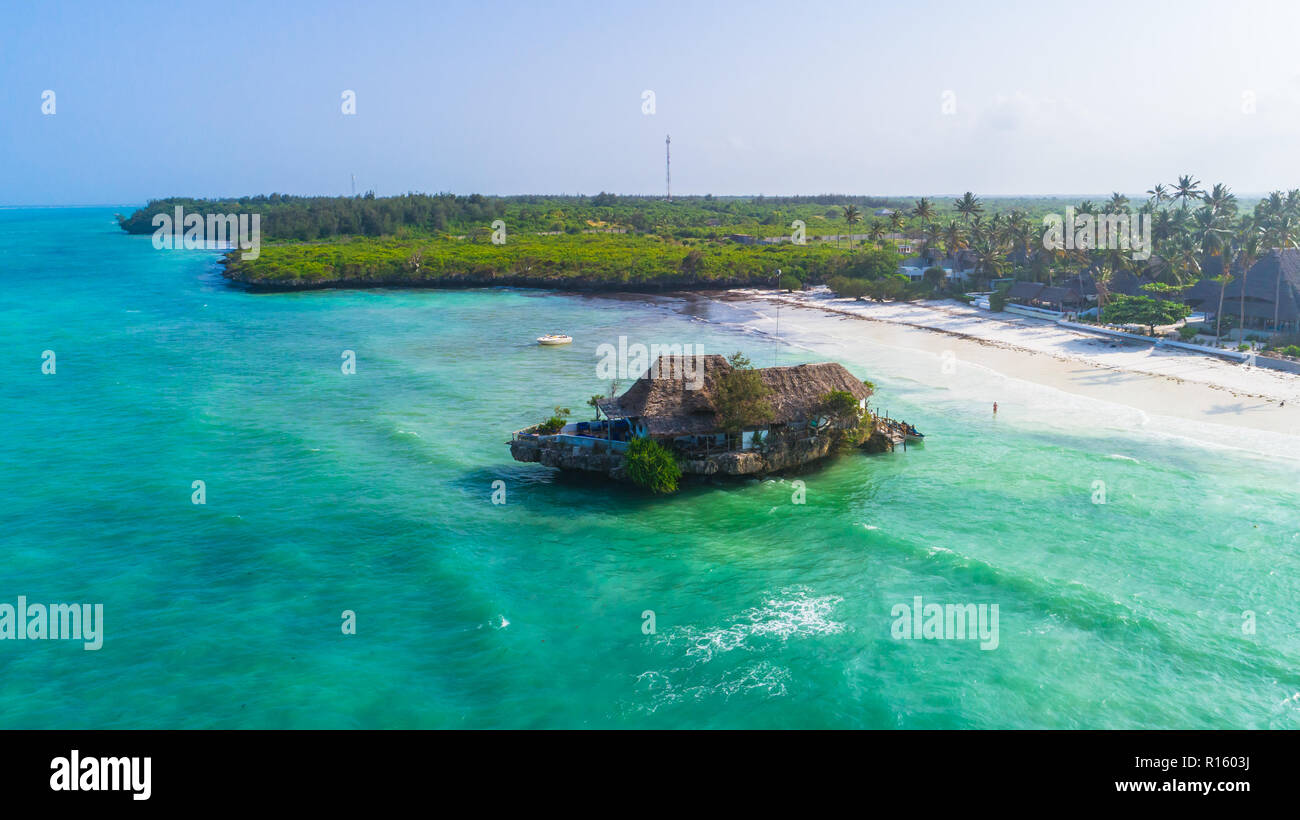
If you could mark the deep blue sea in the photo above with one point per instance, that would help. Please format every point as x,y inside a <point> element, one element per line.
<point>372,492</point>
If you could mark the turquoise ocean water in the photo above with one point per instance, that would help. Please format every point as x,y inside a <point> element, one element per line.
<point>372,492</point>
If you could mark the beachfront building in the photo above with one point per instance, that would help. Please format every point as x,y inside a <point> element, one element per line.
<point>680,409</point>
<point>1047,297</point>
<point>1268,293</point>
<point>956,270</point>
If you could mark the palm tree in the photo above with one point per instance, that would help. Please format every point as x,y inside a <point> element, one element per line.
<point>851,216</point>
<point>1269,208</point>
<point>1187,187</point>
<point>1246,256</point>
<point>1161,226</point>
<point>988,257</point>
<point>1043,261</point>
<point>924,210</point>
<point>1282,231</point>
<point>1212,230</point>
<point>896,220</point>
<point>1102,282</point>
<point>1180,225</point>
<point>1224,278</point>
<point>1118,204</point>
<point>953,238</point>
<point>1221,200</point>
<point>1159,194</point>
<point>997,227</point>
<point>1021,235</point>
<point>1158,268</point>
<point>934,238</point>
<point>1185,264</point>
<point>1116,259</point>
<point>876,231</point>
<point>968,204</point>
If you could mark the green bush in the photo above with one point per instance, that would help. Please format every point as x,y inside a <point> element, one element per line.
<point>650,465</point>
<point>1143,310</point>
<point>840,404</point>
<point>1291,350</point>
<point>848,287</point>
<point>934,278</point>
<point>742,397</point>
<point>555,423</point>
<point>791,283</point>
<point>551,426</point>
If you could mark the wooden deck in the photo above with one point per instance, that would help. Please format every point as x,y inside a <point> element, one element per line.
<point>895,430</point>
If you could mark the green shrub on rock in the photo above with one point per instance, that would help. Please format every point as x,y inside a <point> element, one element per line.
<point>649,464</point>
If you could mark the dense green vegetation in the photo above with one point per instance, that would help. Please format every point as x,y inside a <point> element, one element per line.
<point>294,218</point>
<point>893,287</point>
<point>608,260</point>
<point>639,243</point>
<point>650,465</point>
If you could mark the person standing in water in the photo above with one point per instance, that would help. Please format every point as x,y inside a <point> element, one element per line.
<point>995,408</point>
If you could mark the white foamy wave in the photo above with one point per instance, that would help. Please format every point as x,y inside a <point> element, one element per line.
<point>794,613</point>
<point>761,679</point>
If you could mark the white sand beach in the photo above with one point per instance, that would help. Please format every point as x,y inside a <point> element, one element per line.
<point>1160,381</point>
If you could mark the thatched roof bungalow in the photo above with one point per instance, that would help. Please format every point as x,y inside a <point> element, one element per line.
<point>673,405</point>
<point>1037,294</point>
<point>678,403</point>
<point>1269,292</point>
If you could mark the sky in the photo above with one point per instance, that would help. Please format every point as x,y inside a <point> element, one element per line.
<point>1001,98</point>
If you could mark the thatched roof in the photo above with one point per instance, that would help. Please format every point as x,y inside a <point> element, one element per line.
<point>1084,284</point>
<point>668,407</point>
<point>1126,283</point>
<point>1264,291</point>
<point>1038,292</point>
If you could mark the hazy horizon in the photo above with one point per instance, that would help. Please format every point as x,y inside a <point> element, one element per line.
<point>1018,101</point>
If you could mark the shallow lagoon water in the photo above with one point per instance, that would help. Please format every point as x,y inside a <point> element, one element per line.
<point>372,492</point>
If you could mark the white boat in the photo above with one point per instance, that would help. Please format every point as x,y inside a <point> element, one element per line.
<point>554,339</point>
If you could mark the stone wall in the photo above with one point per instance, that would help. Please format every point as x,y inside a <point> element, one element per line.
<point>776,458</point>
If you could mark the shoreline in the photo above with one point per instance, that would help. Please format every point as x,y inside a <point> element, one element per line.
<point>1164,382</point>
